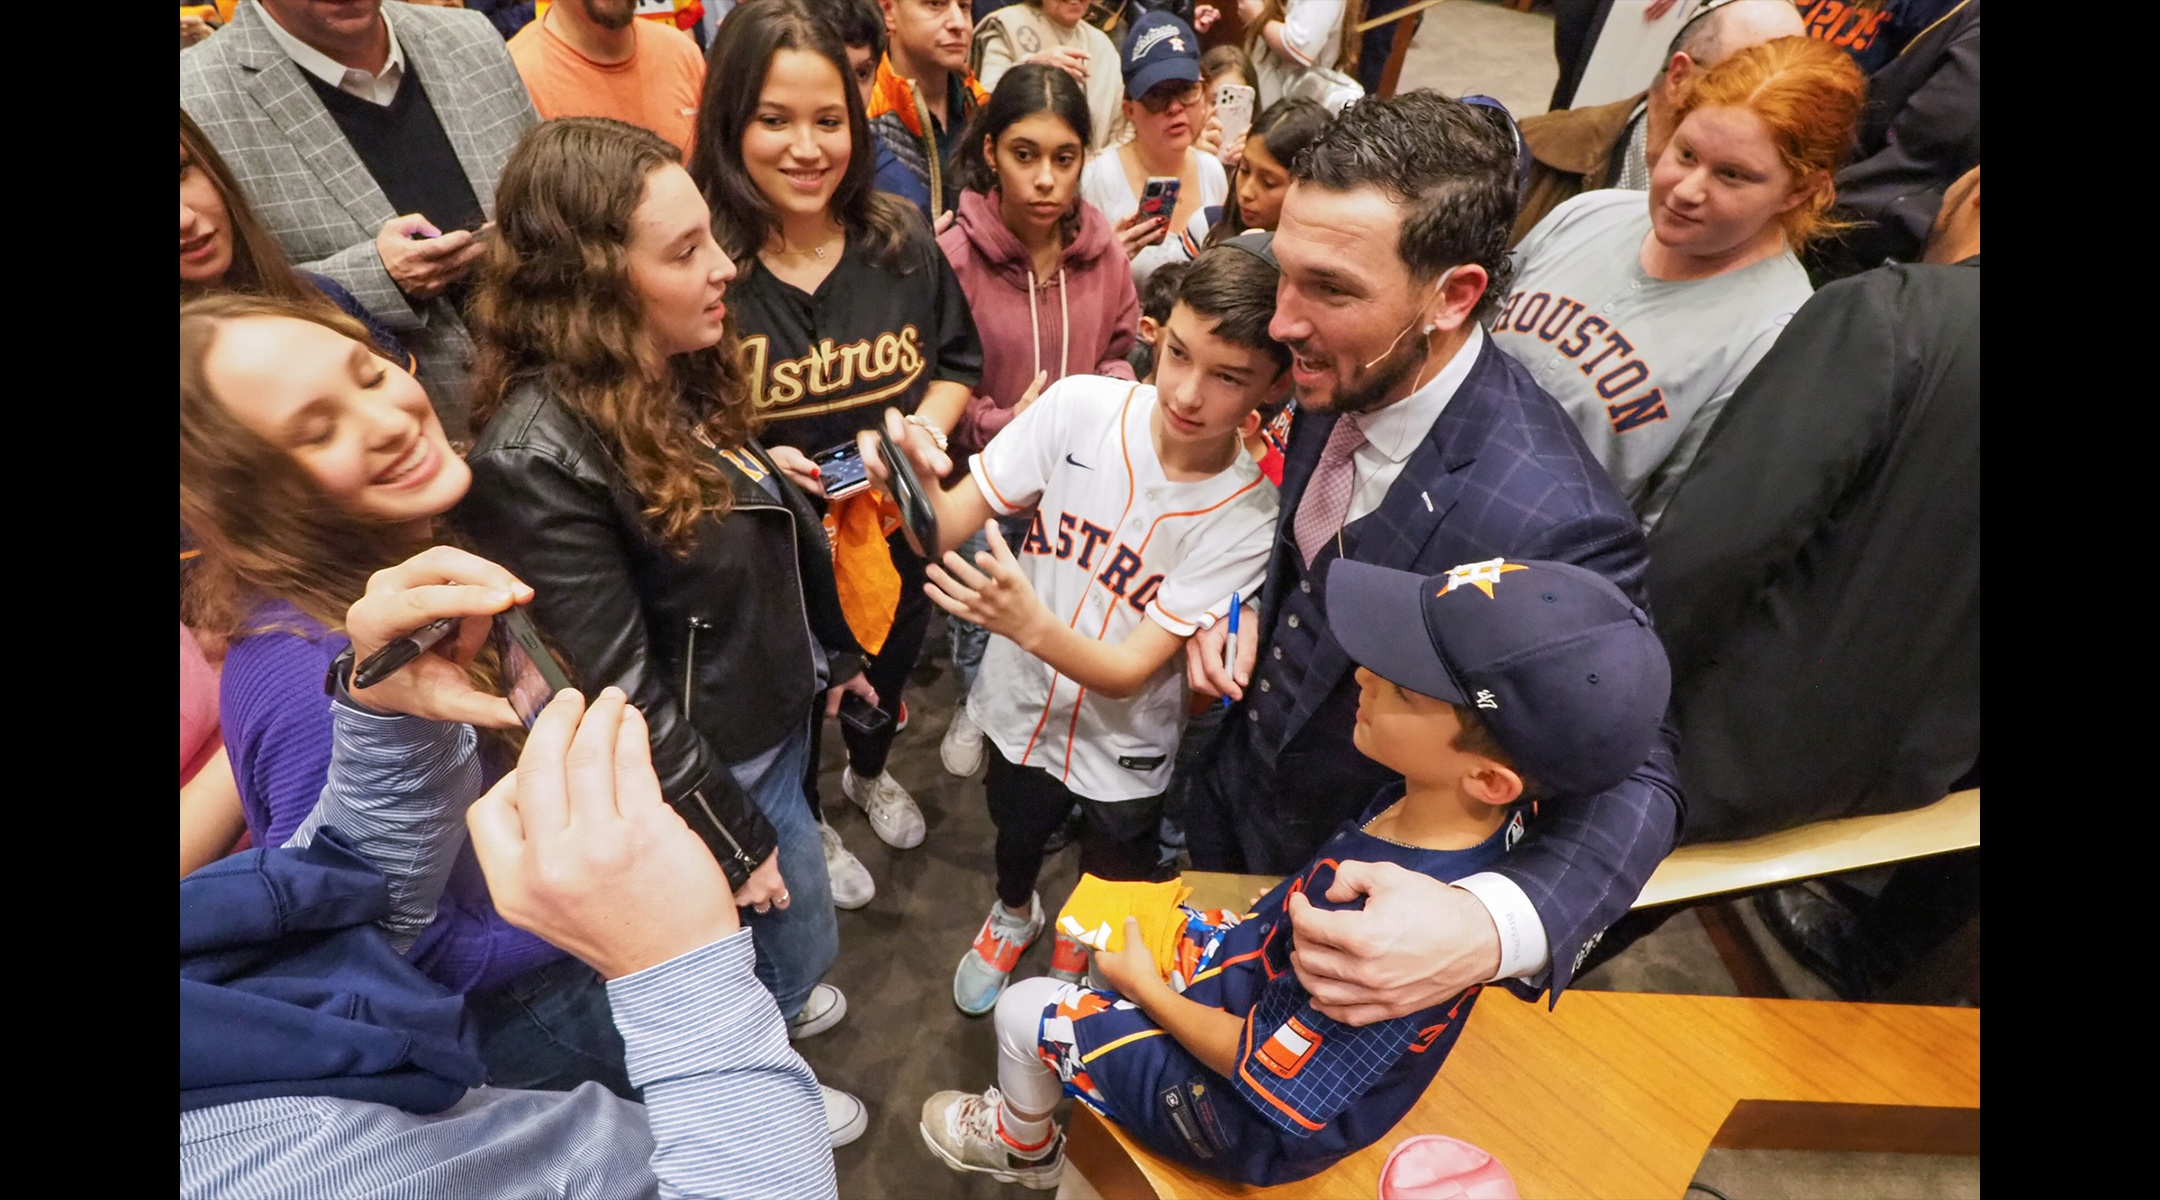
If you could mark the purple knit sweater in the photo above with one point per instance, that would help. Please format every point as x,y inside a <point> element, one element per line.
<point>277,733</point>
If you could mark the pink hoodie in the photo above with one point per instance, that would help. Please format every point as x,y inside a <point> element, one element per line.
<point>1079,322</point>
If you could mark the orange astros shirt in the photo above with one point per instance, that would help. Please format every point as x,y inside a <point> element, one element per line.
<point>657,87</point>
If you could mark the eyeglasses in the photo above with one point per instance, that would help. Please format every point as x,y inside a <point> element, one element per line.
<point>1159,99</point>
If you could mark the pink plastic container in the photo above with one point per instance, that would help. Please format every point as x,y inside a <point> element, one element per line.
<point>1434,1167</point>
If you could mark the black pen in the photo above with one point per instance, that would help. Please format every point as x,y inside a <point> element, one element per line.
<point>387,661</point>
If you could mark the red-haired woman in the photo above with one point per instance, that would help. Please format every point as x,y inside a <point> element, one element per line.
<point>1642,319</point>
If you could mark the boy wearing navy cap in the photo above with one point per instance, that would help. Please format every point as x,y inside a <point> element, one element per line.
<point>1494,684</point>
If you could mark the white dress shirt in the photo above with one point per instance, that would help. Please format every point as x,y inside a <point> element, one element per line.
<point>1390,436</point>
<point>376,89</point>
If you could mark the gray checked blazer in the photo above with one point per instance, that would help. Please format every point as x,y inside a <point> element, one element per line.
<point>313,192</point>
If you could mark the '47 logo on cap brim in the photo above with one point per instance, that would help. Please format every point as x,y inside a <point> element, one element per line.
<point>1480,575</point>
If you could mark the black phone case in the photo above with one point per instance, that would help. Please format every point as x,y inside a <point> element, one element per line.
<point>916,515</point>
<point>863,717</point>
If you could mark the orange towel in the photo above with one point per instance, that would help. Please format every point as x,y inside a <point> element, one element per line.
<point>1095,916</point>
<point>868,582</point>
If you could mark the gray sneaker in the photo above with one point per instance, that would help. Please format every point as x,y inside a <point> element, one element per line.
<point>823,1010</point>
<point>962,749</point>
<point>990,961</point>
<point>961,1128</point>
<point>892,812</point>
<point>845,1116</point>
<point>852,886</point>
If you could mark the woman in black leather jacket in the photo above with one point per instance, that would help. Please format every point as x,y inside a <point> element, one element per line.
<point>669,554</point>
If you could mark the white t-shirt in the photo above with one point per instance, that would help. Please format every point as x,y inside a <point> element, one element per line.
<point>1313,33</point>
<point>1113,542</point>
<point>1644,365</point>
<point>1103,184</point>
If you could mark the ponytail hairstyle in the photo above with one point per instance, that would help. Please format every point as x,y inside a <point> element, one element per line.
<point>1352,40</point>
<point>265,528</point>
<point>1022,92</point>
<point>1286,128</point>
<point>554,304</point>
<point>1808,94</point>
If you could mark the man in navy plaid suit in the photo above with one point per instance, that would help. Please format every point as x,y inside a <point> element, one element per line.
<point>1418,445</point>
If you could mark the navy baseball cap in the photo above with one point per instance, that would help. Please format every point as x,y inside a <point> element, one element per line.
<point>1160,49</point>
<point>1555,662</point>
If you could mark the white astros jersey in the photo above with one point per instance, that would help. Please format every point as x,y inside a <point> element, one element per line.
<point>1113,542</point>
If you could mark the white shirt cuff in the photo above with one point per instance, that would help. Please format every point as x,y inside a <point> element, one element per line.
<point>1524,951</point>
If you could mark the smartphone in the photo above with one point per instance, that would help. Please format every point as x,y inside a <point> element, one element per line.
<point>531,673</point>
<point>1159,197</point>
<point>864,717</point>
<point>1234,112</point>
<point>841,470</point>
<point>918,521</point>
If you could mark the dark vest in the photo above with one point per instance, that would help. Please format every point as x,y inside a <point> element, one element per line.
<point>403,146</point>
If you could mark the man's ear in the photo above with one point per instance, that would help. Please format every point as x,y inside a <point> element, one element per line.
<point>1458,299</point>
<point>1493,784</point>
<point>1678,73</point>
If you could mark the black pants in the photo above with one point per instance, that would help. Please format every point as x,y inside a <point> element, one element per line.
<point>888,672</point>
<point>1117,838</point>
<point>1378,43</point>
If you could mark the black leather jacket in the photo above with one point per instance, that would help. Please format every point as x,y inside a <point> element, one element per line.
<point>718,648</point>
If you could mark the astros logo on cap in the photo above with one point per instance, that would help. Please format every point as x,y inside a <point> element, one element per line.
<point>1480,575</point>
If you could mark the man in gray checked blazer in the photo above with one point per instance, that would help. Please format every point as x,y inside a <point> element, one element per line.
<point>259,91</point>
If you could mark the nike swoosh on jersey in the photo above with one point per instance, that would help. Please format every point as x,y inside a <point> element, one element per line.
<point>1076,462</point>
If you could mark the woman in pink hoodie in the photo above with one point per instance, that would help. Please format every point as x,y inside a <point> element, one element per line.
<point>1049,285</point>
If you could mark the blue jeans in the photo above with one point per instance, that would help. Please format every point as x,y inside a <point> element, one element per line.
<point>796,944</point>
<point>968,639</point>
<point>551,1029</point>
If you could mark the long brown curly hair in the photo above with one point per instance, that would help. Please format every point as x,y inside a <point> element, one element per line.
<point>265,528</point>
<point>554,304</point>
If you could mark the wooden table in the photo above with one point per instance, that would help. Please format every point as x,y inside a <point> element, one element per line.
<point>1620,1094</point>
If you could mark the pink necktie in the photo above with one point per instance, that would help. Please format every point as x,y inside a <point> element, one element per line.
<point>1327,494</point>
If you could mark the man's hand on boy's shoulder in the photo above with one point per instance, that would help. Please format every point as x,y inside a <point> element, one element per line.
<point>1415,943</point>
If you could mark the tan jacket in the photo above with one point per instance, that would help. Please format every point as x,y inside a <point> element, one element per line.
<point>1571,152</point>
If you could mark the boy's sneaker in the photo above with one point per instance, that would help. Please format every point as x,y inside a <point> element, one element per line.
<point>962,749</point>
<point>900,723</point>
<point>990,961</point>
<point>823,1010</point>
<point>891,810</point>
<point>852,886</point>
<point>845,1116</point>
<point>1068,959</point>
<point>961,1128</point>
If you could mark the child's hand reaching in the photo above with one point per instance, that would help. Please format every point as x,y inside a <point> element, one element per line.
<point>997,597</point>
<point>1131,970</point>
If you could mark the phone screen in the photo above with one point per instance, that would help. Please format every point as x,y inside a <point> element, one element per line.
<point>526,682</point>
<point>1234,110</point>
<point>841,470</point>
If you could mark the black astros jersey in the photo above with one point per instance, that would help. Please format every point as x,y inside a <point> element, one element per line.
<point>822,365</point>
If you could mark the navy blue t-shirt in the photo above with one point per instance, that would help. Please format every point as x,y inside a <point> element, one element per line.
<point>1307,1090</point>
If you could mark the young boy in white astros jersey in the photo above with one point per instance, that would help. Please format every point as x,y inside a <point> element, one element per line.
<point>1149,516</point>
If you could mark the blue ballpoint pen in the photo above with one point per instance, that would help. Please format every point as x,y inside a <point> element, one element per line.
<point>1229,650</point>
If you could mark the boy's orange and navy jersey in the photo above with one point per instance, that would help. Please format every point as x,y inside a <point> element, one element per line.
<point>1306,1090</point>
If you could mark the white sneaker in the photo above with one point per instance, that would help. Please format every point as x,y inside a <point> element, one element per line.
<point>845,1116</point>
<point>891,810</point>
<point>961,1128</point>
<point>962,749</point>
<point>823,1010</point>
<point>852,886</point>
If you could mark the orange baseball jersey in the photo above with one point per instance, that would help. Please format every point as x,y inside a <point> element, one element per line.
<point>1114,542</point>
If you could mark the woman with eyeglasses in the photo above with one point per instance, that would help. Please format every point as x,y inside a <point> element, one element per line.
<point>1162,101</point>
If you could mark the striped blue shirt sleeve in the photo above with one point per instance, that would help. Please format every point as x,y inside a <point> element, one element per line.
<point>731,1111</point>
<point>399,787</point>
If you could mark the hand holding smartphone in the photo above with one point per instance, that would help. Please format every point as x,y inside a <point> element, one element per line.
<point>1234,112</point>
<point>841,469</point>
<point>1159,197</point>
<point>531,674</point>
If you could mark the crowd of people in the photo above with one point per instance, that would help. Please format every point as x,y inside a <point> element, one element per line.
<point>1447,514</point>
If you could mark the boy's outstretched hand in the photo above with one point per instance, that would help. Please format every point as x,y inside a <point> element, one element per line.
<point>1132,969</point>
<point>997,596</point>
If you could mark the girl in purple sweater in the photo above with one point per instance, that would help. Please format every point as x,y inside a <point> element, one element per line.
<point>308,461</point>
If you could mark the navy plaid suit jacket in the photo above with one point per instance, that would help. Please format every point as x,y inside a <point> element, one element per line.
<point>1502,473</point>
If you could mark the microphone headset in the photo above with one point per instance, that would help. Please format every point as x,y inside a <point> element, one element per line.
<point>1429,325</point>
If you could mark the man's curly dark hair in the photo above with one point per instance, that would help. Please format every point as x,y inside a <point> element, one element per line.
<point>1450,165</point>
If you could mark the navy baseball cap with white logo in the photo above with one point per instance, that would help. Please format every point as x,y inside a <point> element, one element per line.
<point>1553,659</point>
<point>1161,48</point>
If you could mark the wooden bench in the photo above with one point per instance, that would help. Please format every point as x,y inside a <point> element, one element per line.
<point>1617,1094</point>
<point>1620,1094</point>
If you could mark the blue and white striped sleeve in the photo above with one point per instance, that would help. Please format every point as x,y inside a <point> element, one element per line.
<point>399,787</point>
<point>734,1110</point>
